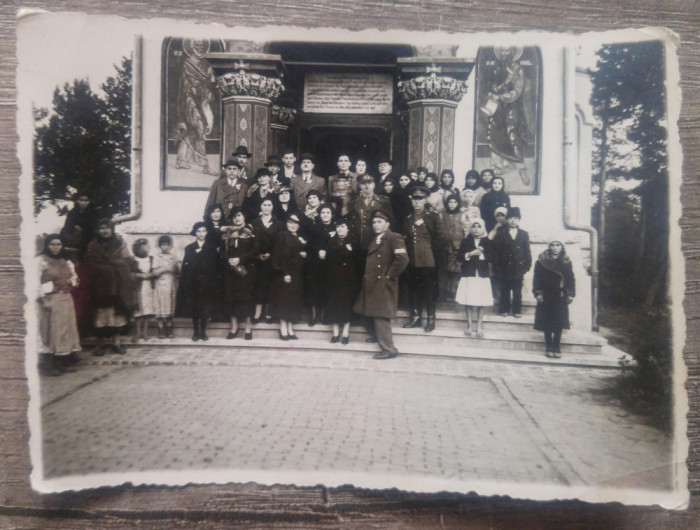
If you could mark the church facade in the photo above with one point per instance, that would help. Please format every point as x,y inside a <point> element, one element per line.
<point>521,110</point>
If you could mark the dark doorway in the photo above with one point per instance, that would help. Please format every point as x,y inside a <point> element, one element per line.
<point>327,143</point>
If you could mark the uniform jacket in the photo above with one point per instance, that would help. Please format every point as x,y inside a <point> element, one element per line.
<point>361,215</point>
<point>227,196</point>
<point>470,266</point>
<point>425,235</point>
<point>511,257</point>
<point>380,286</point>
<point>300,189</point>
<point>333,179</point>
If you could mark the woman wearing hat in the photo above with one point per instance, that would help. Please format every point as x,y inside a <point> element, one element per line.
<point>265,227</point>
<point>110,266</point>
<point>199,281</point>
<point>257,193</point>
<point>344,261</point>
<point>285,205</point>
<point>554,287</point>
<point>288,254</point>
<point>317,232</point>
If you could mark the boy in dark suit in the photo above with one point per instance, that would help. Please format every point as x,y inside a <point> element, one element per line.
<point>512,259</point>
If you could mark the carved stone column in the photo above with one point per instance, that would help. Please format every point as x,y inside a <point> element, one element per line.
<point>282,119</point>
<point>432,89</point>
<point>248,83</point>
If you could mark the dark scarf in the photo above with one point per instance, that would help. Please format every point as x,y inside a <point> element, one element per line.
<point>553,264</point>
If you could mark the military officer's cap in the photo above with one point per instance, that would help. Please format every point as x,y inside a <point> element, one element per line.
<point>420,192</point>
<point>381,215</point>
<point>366,179</point>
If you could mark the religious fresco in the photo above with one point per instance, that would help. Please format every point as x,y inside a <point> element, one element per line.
<point>191,114</point>
<point>508,122</point>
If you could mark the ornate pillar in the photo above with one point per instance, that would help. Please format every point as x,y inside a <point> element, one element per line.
<point>432,89</point>
<point>248,83</point>
<point>282,119</point>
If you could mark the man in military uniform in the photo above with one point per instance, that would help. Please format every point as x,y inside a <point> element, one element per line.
<point>343,171</point>
<point>378,298</point>
<point>362,208</point>
<point>230,190</point>
<point>423,232</point>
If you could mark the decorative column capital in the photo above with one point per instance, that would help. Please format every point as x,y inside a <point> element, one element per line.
<point>244,83</point>
<point>432,87</point>
<point>283,115</point>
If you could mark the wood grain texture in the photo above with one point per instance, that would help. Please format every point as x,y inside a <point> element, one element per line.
<point>265,507</point>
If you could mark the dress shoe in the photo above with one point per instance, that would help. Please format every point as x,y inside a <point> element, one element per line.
<point>371,340</point>
<point>195,337</point>
<point>232,335</point>
<point>292,337</point>
<point>118,348</point>
<point>248,335</point>
<point>415,322</point>
<point>203,336</point>
<point>99,351</point>
<point>312,321</point>
<point>384,355</point>
<point>169,332</point>
<point>334,339</point>
<point>345,340</point>
<point>255,320</point>
<point>269,320</point>
<point>430,326</point>
<point>284,337</point>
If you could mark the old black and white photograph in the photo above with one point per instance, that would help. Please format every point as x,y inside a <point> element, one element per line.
<point>436,262</point>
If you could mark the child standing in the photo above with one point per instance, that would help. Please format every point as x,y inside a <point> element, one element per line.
<point>144,288</point>
<point>165,268</point>
<point>554,287</point>
<point>474,289</point>
<point>452,221</point>
<point>512,259</point>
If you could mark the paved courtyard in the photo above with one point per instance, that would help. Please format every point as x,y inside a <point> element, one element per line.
<point>188,409</point>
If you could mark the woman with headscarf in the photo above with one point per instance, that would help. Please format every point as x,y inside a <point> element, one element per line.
<point>398,200</point>
<point>200,284</point>
<point>474,289</point>
<point>447,184</point>
<point>110,266</point>
<point>286,296</point>
<point>435,197</point>
<point>485,182</point>
<point>554,287</point>
<point>472,181</point>
<point>58,328</point>
<point>453,223</point>
<point>495,198</point>
<point>240,253</point>
<point>265,227</point>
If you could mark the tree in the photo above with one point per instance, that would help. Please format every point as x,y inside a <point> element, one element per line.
<point>84,143</point>
<point>628,98</point>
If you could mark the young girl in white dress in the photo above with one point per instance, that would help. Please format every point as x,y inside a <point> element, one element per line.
<point>144,290</point>
<point>474,289</point>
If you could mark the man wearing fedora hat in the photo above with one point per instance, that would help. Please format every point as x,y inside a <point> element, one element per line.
<point>307,181</point>
<point>242,155</point>
<point>378,298</point>
<point>230,190</point>
<point>385,168</point>
<point>424,232</point>
<point>361,208</point>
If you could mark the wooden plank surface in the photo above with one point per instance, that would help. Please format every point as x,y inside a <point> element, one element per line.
<point>264,507</point>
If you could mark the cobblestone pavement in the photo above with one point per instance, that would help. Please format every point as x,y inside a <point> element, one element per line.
<point>189,409</point>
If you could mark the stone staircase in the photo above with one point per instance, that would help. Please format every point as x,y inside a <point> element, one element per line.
<point>505,339</point>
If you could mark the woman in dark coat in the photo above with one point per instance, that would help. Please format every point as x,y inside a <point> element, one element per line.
<point>215,223</point>
<point>240,254</point>
<point>265,227</point>
<point>554,288</point>
<point>317,232</point>
<point>257,193</point>
<point>491,200</point>
<point>288,254</point>
<point>343,281</point>
<point>110,266</point>
<point>199,281</point>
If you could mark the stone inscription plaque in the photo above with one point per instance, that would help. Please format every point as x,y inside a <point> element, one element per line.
<point>348,93</point>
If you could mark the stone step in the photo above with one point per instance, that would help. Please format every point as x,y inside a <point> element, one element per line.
<point>456,320</point>
<point>608,358</point>
<point>416,339</point>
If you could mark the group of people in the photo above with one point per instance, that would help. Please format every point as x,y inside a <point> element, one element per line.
<point>283,241</point>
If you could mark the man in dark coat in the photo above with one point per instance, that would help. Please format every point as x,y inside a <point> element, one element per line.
<point>512,259</point>
<point>242,156</point>
<point>424,233</point>
<point>230,190</point>
<point>378,299</point>
<point>307,181</point>
<point>361,210</point>
<point>385,168</point>
<point>343,171</point>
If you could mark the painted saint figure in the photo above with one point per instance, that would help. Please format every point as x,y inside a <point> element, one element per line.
<point>196,118</point>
